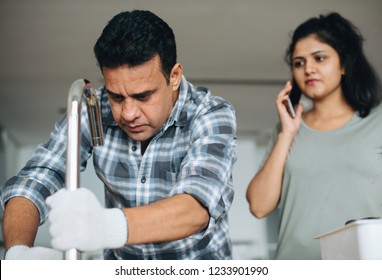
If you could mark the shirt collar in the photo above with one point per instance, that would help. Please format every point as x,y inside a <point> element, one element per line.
<point>178,115</point>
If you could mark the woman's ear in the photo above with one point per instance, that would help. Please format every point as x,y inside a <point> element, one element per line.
<point>343,71</point>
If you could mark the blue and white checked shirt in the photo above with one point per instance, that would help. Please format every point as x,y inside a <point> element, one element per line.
<point>193,153</point>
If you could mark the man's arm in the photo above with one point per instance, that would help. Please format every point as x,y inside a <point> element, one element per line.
<point>166,220</point>
<point>169,219</point>
<point>20,222</point>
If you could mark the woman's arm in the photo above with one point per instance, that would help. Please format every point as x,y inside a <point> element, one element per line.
<point>264,190</point>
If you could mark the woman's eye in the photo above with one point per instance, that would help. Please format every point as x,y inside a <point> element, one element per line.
<point>298,63</point>
<point>320,58</point>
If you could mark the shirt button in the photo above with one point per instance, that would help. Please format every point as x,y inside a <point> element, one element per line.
<point>134,148</point>
<point>143,180</point>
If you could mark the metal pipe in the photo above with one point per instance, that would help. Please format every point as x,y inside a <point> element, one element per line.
<point>94,113</point>
<point>72,178</point>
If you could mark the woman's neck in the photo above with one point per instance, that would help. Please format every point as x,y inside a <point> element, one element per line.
<point>328,115</point>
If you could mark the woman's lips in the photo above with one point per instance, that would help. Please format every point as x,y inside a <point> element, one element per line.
<point>310,82</point>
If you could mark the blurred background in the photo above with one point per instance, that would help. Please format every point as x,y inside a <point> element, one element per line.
<point>235,48</point>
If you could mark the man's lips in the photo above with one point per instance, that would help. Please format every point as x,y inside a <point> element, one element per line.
<point>134,128</point>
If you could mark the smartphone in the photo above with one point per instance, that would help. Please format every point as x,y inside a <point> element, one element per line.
<point>290,108</point>
<point>294,99</point>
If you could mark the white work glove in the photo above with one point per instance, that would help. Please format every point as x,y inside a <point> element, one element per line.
<point>78,220</point>
<point>22,252</point>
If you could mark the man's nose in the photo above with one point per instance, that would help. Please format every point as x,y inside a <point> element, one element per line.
<point>130,110</point>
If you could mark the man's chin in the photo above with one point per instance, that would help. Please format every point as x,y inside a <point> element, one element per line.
<point>139,137</point>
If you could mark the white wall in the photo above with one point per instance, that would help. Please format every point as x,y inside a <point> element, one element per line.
<point>8,161</point>
<point>8,150</point>
<point>8,165</point>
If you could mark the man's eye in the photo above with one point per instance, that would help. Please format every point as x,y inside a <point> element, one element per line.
<point>143,98</point>
<point>116,98</point>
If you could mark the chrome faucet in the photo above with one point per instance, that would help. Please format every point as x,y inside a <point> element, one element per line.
<point>78,89</point>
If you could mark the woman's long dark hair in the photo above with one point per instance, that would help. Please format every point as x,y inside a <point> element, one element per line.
<point>361,85</point>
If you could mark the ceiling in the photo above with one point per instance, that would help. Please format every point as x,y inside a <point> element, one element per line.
<point>235,48</point>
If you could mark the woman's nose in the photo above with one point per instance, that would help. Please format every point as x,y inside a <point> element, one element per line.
<point>309,67</point>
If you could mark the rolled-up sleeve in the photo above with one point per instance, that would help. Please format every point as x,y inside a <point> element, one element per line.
<point>44,173</point>
<point>206,171</point>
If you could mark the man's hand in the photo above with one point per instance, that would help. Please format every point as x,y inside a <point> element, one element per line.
<point>22,252</point>
<point>78,220</point>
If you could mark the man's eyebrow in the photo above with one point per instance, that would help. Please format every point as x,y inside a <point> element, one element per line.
<point>144,93</point>
<point>112,93</point>
<point>138,94</point>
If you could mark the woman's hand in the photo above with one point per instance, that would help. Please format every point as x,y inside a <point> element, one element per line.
<point>289,125</point>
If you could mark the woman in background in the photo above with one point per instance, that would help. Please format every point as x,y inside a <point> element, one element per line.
<point>323,166</point>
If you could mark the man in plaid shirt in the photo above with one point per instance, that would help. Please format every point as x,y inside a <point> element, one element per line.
<point>166,162</point>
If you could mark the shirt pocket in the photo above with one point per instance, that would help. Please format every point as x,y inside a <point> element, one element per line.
<point>165,182</point>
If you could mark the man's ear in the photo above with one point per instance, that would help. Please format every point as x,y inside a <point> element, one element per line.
<point>176,76</point>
